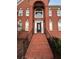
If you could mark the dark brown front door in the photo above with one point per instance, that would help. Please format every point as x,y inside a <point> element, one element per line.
<point>39,27</point>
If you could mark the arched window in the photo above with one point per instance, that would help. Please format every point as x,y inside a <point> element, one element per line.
<point>50,25</point>
<point>58,12</point>
<point>50,12</point>
<point>27,12</point>
<point>27,25</point>
<point>20,12</point>
<point>19,25</point>
<point>59,25</point>
<point>38,13</point>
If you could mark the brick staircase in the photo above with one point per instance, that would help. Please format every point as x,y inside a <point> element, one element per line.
<point>39,48</point>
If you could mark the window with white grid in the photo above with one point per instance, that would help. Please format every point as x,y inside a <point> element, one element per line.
<point>27,12</point>
<point>20,12</point>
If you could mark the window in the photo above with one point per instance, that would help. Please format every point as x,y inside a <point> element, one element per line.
<point>20,12</point>
<point>50,25</point>
<point>38,13</point>
<point>27,12</point>
<point>27,25</point>
<point>18,1</point>
<point>58,12</point>
<point>19,25</point>
<point>59,25</point>
<point>50,12</point>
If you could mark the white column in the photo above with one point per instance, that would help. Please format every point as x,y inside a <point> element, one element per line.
<point>42,26</point>
<point>50,25</point>
<point>35,27</point>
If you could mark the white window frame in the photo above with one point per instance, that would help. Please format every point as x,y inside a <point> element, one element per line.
<point>50,12</point>
<point>27,25</point>
<point>18,1</point>
<point>50,25</point>
<point>59,25</point>
<point>58,12</point>
<point>20,12</point>
<point>27,12</point>
<point>19,25</point>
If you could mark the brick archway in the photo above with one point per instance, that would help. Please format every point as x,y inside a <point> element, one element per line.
<point>39,14</point>
<point>38,4</point>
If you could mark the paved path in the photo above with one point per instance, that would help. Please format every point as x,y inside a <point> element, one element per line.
<point>39,48</point>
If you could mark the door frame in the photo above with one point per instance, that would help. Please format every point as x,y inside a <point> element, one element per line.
<point>35,26</point>
<point>39,27</point>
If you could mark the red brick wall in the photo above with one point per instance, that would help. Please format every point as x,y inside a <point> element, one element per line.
<point>55,20</point>
<point>30,4</point>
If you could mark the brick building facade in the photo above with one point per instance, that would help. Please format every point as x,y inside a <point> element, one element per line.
<point>36,16</point>
<point>49,19</point>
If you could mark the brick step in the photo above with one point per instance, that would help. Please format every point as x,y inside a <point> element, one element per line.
<point>39,48</point>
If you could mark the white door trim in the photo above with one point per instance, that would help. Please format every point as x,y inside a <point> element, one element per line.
<point>35,26</point>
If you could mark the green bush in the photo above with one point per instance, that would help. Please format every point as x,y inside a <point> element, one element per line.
<point>55,44</point>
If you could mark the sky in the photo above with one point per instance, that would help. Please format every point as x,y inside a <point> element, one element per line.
<point>55,2</point>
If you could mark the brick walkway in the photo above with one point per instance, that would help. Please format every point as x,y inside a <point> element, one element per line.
<point>39,48</point>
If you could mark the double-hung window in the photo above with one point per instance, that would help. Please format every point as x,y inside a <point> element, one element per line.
<point>50,25</point>
<point>58,12</point>
<point>27,25</point>
<point>27,12</point>
<point>59,25</point>
<point>20,12</point>
<point>50,12</point>
<point>19,25</point>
